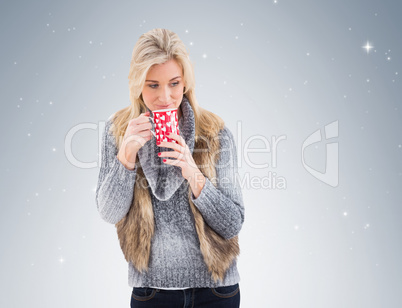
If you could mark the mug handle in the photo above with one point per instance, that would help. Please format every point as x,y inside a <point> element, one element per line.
<point>152,130</point>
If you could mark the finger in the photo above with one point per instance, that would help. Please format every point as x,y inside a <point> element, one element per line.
<point>171,145</point>
<point>173,162</point>
<point>142,118</point>
<point>178,138</point>
<point>173,154</point>
<point>142,135</point>
<point>142,127</point>
<point>145,134</point>
<point>136,129</point>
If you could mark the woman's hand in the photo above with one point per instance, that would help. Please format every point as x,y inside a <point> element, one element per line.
<point>183,159</point>
<point>137,133</point>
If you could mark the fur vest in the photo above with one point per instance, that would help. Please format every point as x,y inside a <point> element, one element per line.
<point>136,229</point>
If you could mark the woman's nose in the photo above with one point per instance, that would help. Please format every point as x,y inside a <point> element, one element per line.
<point>164,94</point>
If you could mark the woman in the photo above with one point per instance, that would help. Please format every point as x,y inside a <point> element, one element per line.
<point>177,208</point>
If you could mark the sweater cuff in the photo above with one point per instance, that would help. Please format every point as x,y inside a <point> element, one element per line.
<point>206,190</point>
<point>121,173</point>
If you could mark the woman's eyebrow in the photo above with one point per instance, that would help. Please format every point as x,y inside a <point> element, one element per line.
<point>169,80</point>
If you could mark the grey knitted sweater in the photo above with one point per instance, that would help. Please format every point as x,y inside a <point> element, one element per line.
<point>176,260</point>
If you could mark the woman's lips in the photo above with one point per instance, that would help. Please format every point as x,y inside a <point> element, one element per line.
<point>164,106</point>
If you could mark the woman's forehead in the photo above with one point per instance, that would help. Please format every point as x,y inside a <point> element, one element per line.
<point>165,71</point>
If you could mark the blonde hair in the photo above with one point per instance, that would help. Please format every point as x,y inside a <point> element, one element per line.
<point>158,46</point>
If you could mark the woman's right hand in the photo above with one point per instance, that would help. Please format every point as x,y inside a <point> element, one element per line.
<point>137,133</point>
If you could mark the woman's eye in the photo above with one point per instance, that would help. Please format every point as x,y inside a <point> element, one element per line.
<point>154,86</point>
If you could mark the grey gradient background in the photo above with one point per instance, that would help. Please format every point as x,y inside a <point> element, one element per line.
<point>274,69</point>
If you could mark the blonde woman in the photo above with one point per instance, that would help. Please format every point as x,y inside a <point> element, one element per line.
<point>177,208</point>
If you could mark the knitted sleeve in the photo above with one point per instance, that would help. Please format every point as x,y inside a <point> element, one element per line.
<point>222,206</point>
<point>115,188</point>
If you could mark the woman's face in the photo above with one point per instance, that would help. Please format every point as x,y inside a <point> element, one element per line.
<point>163,86</point>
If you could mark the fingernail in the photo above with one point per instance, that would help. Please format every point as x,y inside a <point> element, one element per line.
<point>164,160</point>
<point>159,154</point>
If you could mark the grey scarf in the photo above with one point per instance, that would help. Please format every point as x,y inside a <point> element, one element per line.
<point>165,179</point>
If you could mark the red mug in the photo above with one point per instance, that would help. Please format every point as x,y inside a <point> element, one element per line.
<point>165,122</point>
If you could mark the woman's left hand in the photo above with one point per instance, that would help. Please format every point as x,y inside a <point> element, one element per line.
<point>182,155</point>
